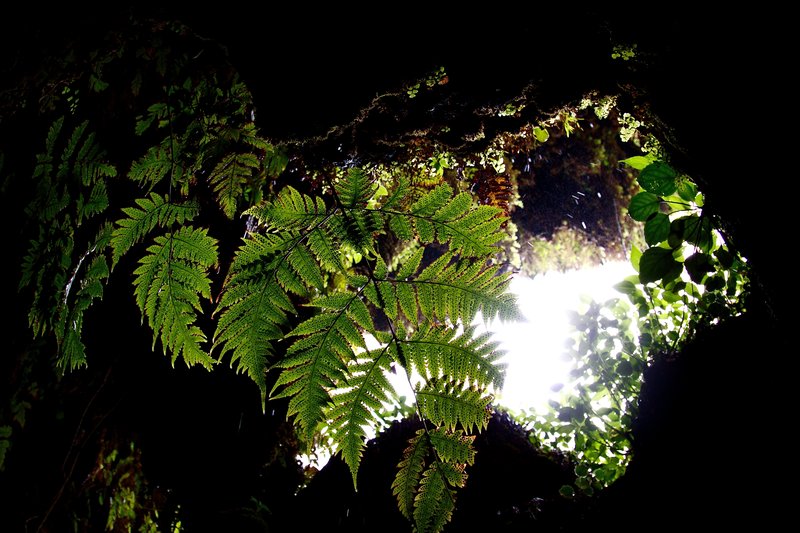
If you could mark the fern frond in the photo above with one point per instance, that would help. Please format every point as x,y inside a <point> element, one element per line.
<point>355,189</point>
<point>450,403</point>
<point>89,163</point>
<point>356,405</point>
<point>317,362</point>
<point>154,211</point>
<point>425,490</point>
<point>253,307</point>
<point>78,294</point>
<point>95,203</point>
<point>453,446</point>
<point>435,351</point>
<point>70,189</point>
<point>445,290</point>
<point>291,210</point>
<point>436,499</point>
<point>409,473</point>
<point>439,216</point>
<point>324,244</point>
<point>229,178</point>
<point>52,136</point>
<point>160,162</point>
<point>168,284</point>
<point>81,166</point>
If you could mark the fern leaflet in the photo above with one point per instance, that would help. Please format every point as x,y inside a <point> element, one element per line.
<point>162,161</point>
<point>229,178</point>
<point>453,446</point>
<point>450,403</point>
<point>71,165</point>
<point>357,404</point>
<point>447,289</point>
<point>317,362</point>
<point>87,288</point>
<point>409,473</point>
<point>436,499</point>
<point>168,283</point>
<point>151,212</point>
<point>435,351</point>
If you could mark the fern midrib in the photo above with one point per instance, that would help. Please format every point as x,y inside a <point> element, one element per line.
<point>469,354</point>
<point>375,365</point>
<point>456,398</point>
<point>273,275</point>
<point>464,288</point>
<point>332,327</point>
<point>466,236</point>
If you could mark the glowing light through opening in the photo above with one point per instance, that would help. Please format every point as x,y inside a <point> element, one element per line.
<point>534,346</point>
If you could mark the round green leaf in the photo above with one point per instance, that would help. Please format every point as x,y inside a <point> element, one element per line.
<point>581,470</point>
<point>687,190</point>
<point>724,257</point>
<point>625,287</point>
<point>541,134</point>
<point>714,283</point>
<point>656,229</point>
<point>671,297</point>
<point>643,205</point>
<point>583,482</point>
<point>636,255</point>
<point>698,265</point>
<point>624,369</point>
<point>658,178</point>
<point>639,162</point>
<point>567,491</point>
<point>676,228</point>
<point>697,231</point>
<point>658,263</point>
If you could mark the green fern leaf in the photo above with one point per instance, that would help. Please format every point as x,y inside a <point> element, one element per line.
<point>229,178</point>
<point>474,234</point>
<point>444,290</point>
<point>357,404</point>
<point>83,286</point>
<point>89,163</point>
<point>355,189</point>
<point>325,248</point>
<point>317,362</point>
<point>440,216</point>
<point>450,403</point>
<point>401,226</point>
<point>291,210</point>
<point>151,212</point>
<point>254,305</point>
<point>160,162</point>
<point>95,203</point>
<point>52,136</point>
<point>70,189</point>
<point>435,351</point>
<point>411,265</point>
<point>168,284</point>
<point>409,473</point>
<point>253,313</point>
<point>398,196</point>
<point>436,500</point>
<point>306,378</point>
<point>408,301</point>
<point>453,446</point>
<point>304,265</point>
